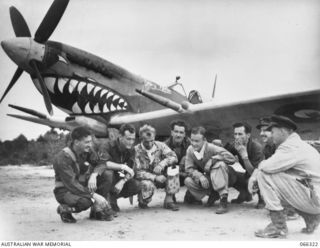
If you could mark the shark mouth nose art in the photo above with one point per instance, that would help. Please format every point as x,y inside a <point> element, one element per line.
<point>83,96</point>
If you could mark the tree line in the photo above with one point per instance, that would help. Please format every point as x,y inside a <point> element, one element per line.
<point>38,152</point>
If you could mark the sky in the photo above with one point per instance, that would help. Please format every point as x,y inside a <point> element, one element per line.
<point>256,48</point>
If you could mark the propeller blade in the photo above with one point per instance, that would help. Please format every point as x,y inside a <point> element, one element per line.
<point>14,79</point>
<point>51,20</point>
<point>19,24</point>
<point>29,111</point>
<point>44,90</point>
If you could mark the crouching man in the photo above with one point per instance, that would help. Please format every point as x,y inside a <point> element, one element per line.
<point>152,158</point>
<point>73,166</point>
<point>207,169</point>
<point>290,175</point>
<point>119,162</point>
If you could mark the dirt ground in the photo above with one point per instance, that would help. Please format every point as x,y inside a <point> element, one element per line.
<point>28,212</point>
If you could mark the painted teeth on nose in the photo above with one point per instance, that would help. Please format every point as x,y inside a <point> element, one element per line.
<point>112,108</point>
<point>105,109</point>
<point>96,108</point>
<point>89,88</point>
<point>76,108</point>
<point>80,86</point>
<point>87,109</point>
<point>72,85</point>
<point>61,83</point>
<point>108,94</point>
<point>49,81</point>
<point>103,92</point>
<point>95,90</point>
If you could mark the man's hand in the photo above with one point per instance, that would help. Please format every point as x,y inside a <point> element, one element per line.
<point>160,179</point>
<point>204,182</point>
<point>157,170</point>
<point>101,201</point>
<point>119,186</point>
<point>241,148</point>
<point>92,183</point>
<point>127,169</point>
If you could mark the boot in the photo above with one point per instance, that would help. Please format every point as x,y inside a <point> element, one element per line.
<point>277,228</point>
<point>114,203</point>
<point>312,221</point>
<point>169,203</point>
<point>105,215</point>
<point>65,214</point>
<point>223,207</point>
<point>214,196</point>
<point>143,205</point>
<point>190,199</point>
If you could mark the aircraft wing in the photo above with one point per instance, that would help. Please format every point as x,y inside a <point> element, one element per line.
<point>302,107</point>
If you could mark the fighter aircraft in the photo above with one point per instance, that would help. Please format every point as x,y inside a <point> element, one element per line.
<point>99,94</point>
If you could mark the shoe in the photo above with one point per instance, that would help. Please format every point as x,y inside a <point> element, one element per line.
<point>312,222</point>
<point>190,199</point>
<point>171,205</point>
<point>114,203</point>
<point>277,228</point>
<point>115,207</point>
<point>271,231</point>
<point>223,207</point>
<point>143,205</point>
<point>65,214</point>
<point>213,197</point>
<point>104,215</point>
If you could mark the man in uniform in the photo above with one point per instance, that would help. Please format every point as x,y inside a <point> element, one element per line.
<point>152,158</point>
<point>291,175</point>
<point>268,150</point>
<point>249,154</point>
<point>73,166</point>
<point>119,158</point>
<point>207,169</point>
<point>179,143</point>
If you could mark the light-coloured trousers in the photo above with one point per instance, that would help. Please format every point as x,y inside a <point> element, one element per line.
<point>221,187</point>
<point>284,187</point>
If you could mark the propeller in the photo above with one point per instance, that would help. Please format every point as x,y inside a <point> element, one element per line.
<point>51,20</point>
<point>43,33</point>
<point>14,79</point>
<point>19,24</point>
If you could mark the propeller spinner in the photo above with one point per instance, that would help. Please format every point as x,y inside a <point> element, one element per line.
<point>21,47</point>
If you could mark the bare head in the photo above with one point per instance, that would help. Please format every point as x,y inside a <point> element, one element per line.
<point>147,135</point>
<point>127,135</point>
<point>198,137</point>
<point>81,139</point>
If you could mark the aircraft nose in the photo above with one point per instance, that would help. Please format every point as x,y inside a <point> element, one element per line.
<point>17,49</point>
